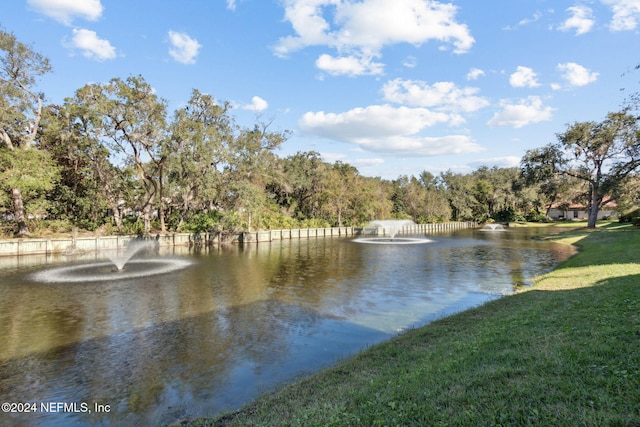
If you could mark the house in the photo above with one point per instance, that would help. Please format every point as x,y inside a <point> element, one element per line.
<point>578,212</point>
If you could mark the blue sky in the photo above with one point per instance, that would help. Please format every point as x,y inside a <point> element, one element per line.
<point>393,87</point>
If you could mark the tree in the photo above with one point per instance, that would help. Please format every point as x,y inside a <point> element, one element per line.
<point>372,200</point>
<point>199,145</point>
<point>134,123</point>
<point>304,174</point>
<point>460,193</point>
<point>496,192</point>
<point>250,166</point>
<point>24,168</point>
<point>600,154</point>
<point>339,191</point>
<point>85,190</point>
<point>419,199</point>
<point>537,169</point>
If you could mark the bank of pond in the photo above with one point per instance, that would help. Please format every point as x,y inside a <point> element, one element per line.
<point>226,324</point>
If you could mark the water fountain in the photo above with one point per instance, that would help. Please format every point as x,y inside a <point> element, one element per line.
<point>120,258</point>
<point>391,228</point>
<point>493,227</point>
<point>120,266</point>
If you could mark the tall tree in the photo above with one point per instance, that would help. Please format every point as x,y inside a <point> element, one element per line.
<point>198,149</point>
<point>600,154</point>
<point>24,168</point>
<point>339,191</point>
<point>305,172</point>
<point>134,121</point>
<point>420,199</point>
<point>460,193</point>
<point>77,135</point>
<point>250,168</point>
<point>372,200</point>
<point>86,188</point>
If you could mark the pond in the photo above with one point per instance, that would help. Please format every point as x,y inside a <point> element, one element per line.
<point>229,323</point>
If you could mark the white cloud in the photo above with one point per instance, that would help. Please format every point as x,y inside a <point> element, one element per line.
<point>64,11</point>
<point>367,163</point>
<point>92,46</point>
<point>444,96</point>
<point>231,4</point>
<point>528,111</point>
<point>524,77</point>
<point>410,62</point>
<point>184,48</point>
<point>526,21</point>
<point>370,121</point>
<point>577,75</point>
<point>502,162</point>
<point>332,157</point>
<point>625,14</point>
<point>348,65</point>
<point>257,104</point>
<point>417,146</point>
<point>581,20</point>
<point>387,129</point>
<point>362,29</point>
<point>475,73</point>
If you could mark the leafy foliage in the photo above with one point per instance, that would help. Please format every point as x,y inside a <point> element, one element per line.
<point>112,158</point>
<point>600,154</point>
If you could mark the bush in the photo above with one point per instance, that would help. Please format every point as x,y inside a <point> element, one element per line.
<point>508,215</point>
<point>314,223</point>
<point>202,222</point>
<point>132,225</point>
<point>534,216</point>
<point>630,216</point>
<point>272,220</point>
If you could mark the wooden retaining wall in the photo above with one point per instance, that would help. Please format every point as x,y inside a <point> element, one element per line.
<point>90,244</point>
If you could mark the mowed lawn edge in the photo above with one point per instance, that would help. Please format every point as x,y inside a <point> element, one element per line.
<point>565,351</point>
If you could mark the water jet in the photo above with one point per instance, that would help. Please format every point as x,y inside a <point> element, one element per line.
<point>120,258</point>
<point>493,227</point>
<point>391,228</point>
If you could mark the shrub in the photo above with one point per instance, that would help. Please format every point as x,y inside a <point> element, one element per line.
<point>132,225</point>
<point>534,216</point>
<point>202,222</point>
<point>508,215</point>
<point>630,216</point>
<point>314,223</point>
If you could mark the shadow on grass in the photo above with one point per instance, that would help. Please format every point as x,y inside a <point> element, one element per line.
<point>614,243</point>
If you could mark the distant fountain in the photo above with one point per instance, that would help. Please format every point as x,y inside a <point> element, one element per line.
<point>493,227</point>
<point>391,228</point>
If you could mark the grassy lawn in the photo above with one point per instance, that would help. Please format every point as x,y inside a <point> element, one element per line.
<point>565,352</point>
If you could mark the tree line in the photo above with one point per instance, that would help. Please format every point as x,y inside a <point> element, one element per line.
<point>112,157</point>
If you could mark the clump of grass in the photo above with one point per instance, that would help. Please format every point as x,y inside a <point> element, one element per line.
<point>564,352</point>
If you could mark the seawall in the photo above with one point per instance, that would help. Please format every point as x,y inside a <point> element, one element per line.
<point>17,247</point>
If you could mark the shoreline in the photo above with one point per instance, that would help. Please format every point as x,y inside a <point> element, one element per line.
<point>69,245</point>
<point>521,359</point>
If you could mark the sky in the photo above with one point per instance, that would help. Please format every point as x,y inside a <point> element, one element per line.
<point>392,87</point>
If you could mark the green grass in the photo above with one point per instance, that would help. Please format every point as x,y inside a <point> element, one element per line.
<point>565,352</point>
<point>559,224</point>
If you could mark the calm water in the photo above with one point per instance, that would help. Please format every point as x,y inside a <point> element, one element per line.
<point>233,323</point>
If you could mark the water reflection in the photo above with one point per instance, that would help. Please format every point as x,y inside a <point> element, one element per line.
<point>234,323</point>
